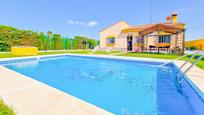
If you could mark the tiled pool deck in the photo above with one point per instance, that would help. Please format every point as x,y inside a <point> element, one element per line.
<point>30,97</point>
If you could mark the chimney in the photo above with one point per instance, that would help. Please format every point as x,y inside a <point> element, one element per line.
<point>174,17</point>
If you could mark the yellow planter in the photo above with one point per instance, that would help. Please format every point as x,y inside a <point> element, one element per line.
<point>111,44</point>
<point>24,50</point>
<point>137,44</point>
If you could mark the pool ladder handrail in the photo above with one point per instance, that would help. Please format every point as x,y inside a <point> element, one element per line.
<point>193,64</point>
<point>178,58</point>
<point>188,61</point>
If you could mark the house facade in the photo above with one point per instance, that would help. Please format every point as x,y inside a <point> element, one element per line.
<point>166,37</point>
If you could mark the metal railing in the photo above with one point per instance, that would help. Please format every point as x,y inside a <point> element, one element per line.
<point>193,64</point>
<point>179,58</point>
<point>187,61</point>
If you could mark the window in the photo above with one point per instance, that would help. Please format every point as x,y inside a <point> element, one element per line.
<point>139,39</point>
<point>110,40</point>
<point>165,39</point>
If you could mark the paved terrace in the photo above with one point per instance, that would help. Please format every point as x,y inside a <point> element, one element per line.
<point>30,97</point>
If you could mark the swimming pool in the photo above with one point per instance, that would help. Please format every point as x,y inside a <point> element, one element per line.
<point>122,87</point>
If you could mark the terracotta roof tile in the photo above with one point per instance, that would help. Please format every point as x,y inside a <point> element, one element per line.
<point>142,27</point>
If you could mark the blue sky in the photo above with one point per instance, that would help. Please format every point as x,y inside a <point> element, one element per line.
<point>88,17</point>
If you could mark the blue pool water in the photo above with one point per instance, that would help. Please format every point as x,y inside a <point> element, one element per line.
<point>120,87</point>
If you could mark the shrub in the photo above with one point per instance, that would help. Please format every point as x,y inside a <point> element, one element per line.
<point>193,48</point>
<point>5,110</point>
<point>4,47</point>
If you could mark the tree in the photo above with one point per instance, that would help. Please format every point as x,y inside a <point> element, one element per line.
<point>92,43</point>
<point>81,42</point>
<point>29,38</point>
<point>56,41</point>
<point>41,41</point>
<point>10,36</point>
<point>66,43</point>
<point>47,42</point>
<point>6,37</point>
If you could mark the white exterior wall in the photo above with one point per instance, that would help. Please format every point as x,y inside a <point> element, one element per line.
<point>114,30</point>
<point>121,41</point>
<point>178,39</point>
<point>151,40</point>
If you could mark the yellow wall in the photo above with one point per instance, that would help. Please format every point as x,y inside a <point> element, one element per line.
<point>22,51</point>
<point>196,43</point>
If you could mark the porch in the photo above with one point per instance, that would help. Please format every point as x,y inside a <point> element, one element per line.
<point>159,38</point>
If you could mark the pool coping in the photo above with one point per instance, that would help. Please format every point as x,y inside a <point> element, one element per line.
<point>96,110</point>
<point>90,55</point>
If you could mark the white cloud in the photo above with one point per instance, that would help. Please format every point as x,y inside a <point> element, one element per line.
<point>89,24</point>
<point>77,23</point>
<point>70,22</point>
<point>82,23</point>
<point>92,23</point>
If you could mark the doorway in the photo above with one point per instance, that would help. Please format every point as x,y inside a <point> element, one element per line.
<point>129,43</point>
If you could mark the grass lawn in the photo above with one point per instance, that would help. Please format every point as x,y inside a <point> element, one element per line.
<point>161,56</point>
<point>148,55</point>
<point>201,64</point>
<point>5,110</point>
<point>105,53</point>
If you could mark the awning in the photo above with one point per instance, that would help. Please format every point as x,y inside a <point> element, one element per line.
<point>161,27</point>
<point>161,33</point>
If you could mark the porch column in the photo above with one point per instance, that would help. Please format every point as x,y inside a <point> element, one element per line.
<point>143,43</point>
<point>147,45</point>
<point>183,44</point>
<point>176,40</point>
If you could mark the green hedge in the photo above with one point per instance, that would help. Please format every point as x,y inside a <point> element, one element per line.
<point>10,36</point>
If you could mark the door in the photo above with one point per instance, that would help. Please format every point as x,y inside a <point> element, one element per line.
<point>129,43</point>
